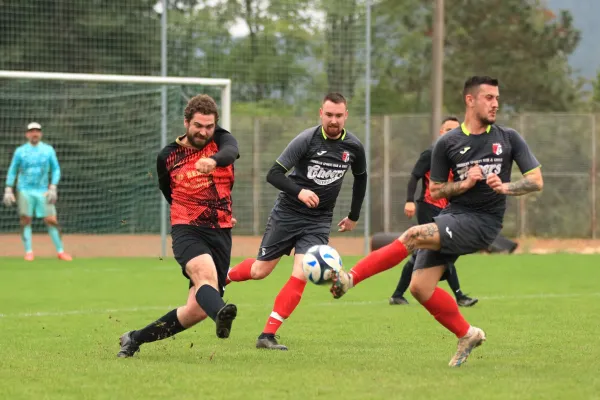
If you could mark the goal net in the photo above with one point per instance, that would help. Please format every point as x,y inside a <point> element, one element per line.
<point>107,131</point>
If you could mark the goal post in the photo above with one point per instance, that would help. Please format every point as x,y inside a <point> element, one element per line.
<point>107,130</point>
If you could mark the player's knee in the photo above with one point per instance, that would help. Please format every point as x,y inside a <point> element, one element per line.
<point>261,270</point>
<point>201,272</point>
<point>419,291</point>
<point>25,221</point>
<point>52,221</point>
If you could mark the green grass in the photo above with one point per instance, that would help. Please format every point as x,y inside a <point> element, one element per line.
<point>61,321</point>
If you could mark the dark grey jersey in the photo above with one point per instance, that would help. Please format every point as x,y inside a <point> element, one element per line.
<point>495,150</point>
<point>320,165</point>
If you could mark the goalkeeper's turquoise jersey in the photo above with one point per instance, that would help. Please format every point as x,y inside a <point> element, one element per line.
<point>32,165</point>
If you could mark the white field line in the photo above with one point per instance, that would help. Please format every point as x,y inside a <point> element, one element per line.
<point>539,296</point>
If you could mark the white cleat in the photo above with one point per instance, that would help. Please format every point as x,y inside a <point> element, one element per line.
<point>474,338</point>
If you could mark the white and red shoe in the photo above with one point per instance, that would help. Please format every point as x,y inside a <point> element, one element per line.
<point>64,256</point>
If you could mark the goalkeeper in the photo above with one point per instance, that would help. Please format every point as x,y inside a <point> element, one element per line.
<point>31,164</point>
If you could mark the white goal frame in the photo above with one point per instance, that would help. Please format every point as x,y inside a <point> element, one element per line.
<point>225,120</point>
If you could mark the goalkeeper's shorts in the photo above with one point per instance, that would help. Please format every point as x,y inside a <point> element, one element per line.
<point>34,204</point>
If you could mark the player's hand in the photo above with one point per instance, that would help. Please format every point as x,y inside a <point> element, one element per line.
<point>495,183</point>
<point>346,225</point>
<point>233,222</point>
<point>51,194</point>
<point>9,197</point>
<point>206,165</point>
<point>474,175</point>
<point>409,209</point>
<point>309,198</point>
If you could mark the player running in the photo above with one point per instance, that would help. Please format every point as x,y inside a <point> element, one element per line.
<point>302,215</point>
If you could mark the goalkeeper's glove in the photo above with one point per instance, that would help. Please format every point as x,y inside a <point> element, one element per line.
<point>9,197</point>
<point>51,194</point>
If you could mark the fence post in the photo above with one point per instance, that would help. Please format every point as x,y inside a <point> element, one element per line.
<point>522,199</point>
<point>593,175</point>
<point>256,181</point>
<point>387,212</point>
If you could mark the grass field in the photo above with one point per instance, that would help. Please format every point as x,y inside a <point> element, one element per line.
<point>60,324</point>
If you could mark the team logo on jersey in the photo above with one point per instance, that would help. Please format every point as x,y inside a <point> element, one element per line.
<point>497,149</point>
<point>345,156</point>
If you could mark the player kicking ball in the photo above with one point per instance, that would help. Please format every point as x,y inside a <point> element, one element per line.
<point>480,155</point>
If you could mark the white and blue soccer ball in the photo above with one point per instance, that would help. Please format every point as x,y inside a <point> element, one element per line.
<point>319,262</point>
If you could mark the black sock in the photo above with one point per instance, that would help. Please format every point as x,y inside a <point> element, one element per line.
<point>210,300</point>
<point>404,281</point>
<point>453,282</point>
<point>164,327</point>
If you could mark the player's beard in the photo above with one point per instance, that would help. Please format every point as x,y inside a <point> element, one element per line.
<point>196,141</point>
<point>333,130</point>
<point>487,119</point>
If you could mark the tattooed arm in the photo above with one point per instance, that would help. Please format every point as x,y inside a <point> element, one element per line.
<point>532,182</point>
<point>451,189</point>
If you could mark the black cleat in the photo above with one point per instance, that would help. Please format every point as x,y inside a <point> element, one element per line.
<point>398,300</point>
<point>128,346</point>
<point>269,341</point>
<point>466,301</point>
<point>225,318</point>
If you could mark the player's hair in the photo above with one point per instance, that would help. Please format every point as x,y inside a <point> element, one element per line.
<point>450,118</point>
<point>203,104</point>
<point>335,97</point>
<point>473,83</point>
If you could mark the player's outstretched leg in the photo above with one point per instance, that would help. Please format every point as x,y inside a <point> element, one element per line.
<point>174,322</point>
<point>424,236</point>
<point>378,261</point>
<point>398,296</point>
<point>164,327</point>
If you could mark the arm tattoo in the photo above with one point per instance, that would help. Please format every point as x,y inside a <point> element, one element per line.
<point>522,186</point>
<point>416,234</point>
<point>450,189</point>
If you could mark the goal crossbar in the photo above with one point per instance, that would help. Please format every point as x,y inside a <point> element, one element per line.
<point>225,84</point>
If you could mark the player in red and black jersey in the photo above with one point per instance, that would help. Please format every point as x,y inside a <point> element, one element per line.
<point>195,175</point>
<point>426,209</point>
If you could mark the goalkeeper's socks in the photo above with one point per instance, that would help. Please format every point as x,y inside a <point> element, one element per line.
<point>285,303</point>
<point>55,236</point>
<point>164,327</point>
<point>26,238</point>
<point>241,272</point>
<point>378,261</point>
<point>445,310</point>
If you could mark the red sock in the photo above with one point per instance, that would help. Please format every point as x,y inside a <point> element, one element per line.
<point>378,261</point>
<point>240,272</point>
<point>445,310</point>
<point>286,301</point>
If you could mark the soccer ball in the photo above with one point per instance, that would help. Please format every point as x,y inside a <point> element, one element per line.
<point>319,262</point>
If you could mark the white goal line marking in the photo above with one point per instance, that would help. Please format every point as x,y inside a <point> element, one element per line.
<point>539,296</point>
